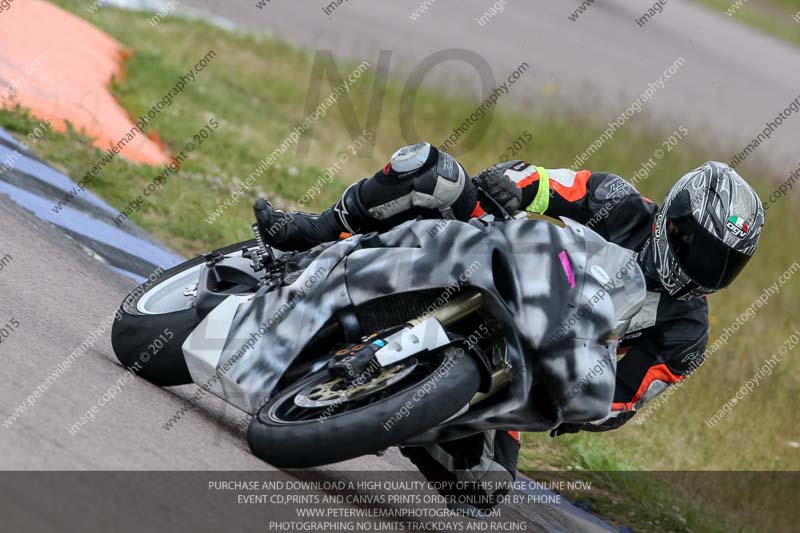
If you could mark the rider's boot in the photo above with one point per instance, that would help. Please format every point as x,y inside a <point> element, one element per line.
<point>301,231</point>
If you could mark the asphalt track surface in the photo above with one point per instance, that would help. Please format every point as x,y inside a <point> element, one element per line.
<point>55,296</point>
<point>734,79</point>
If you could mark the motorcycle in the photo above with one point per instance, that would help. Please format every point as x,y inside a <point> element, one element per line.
<point>428,332</point>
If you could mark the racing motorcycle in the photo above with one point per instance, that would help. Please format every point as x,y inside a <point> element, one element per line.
<point>431,331</point>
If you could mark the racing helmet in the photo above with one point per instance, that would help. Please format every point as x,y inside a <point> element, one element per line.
<point>706,231</point>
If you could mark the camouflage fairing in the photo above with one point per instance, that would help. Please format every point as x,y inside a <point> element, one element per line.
<point>561,294</point>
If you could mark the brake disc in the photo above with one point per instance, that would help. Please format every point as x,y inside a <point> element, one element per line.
<point>335,390</point>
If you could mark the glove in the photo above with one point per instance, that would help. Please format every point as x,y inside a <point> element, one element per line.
<point>563,429</point>
<point>505,192</point>
<point>613,422</point>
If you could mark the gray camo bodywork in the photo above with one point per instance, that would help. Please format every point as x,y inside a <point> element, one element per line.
<point>556,333</point>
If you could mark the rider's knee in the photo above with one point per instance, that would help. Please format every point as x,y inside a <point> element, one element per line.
<point>439,182</point>
<point>418,178</point>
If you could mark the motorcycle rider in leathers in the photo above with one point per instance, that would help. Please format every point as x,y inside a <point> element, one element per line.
<point>691,246</point>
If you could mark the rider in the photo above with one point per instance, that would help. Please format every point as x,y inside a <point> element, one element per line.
<point>695,244</point>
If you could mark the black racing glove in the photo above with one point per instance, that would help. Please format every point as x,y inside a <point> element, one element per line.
<point>505,192</point>
<point>612,423</point>
<point>565,428</point>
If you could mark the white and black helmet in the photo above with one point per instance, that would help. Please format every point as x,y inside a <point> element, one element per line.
<point>705,231</point>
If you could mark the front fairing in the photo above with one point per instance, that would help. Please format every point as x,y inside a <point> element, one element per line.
<point>575,293</point>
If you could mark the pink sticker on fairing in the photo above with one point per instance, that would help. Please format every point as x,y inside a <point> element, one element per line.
<point>567,266</point>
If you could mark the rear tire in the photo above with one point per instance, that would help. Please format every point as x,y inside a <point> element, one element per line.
<point>134,332</point>
<point>362,431</point>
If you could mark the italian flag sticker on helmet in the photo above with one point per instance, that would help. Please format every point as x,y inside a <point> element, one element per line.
<point>738,226</point>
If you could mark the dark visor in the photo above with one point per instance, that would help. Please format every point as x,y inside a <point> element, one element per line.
<point>705,258</point>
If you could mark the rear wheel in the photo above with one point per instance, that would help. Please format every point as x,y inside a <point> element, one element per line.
<point>322,419</point>
<point>156,318</point>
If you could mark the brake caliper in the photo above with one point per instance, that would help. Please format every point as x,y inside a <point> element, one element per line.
<point>357,361</point>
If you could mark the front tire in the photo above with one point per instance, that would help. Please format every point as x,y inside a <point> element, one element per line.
<point>319,438</point>
<point>134,332</point>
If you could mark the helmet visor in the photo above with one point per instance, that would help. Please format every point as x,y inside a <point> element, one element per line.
<point>702,255</point>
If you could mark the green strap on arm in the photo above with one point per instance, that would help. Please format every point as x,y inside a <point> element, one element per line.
<point>542,200</point>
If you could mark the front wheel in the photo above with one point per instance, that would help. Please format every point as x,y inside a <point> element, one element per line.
<point>322,419</point>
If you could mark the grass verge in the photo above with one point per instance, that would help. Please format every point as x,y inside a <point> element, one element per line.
<point>780,18</point>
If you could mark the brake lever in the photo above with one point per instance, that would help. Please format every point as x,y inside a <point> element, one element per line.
<point>483,195</point>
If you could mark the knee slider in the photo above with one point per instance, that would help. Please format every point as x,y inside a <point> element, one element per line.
<point>412,160</point>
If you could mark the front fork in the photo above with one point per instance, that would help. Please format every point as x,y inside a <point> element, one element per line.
<point>495,377</point>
